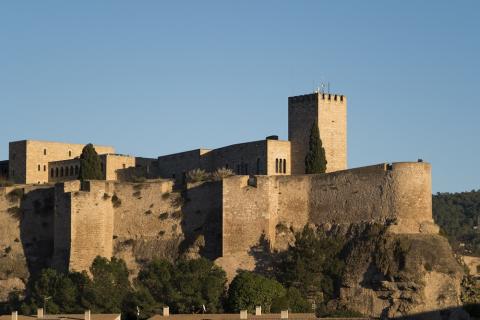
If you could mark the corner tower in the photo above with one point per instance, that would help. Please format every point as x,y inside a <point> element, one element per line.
<point>330,110</point>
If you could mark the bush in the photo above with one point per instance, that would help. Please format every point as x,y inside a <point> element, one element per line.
<point>197,175</point>
<point>116,201</point>
<point>15,195</point>
<point>221,174</point>
<point>249,290</point>
<point>15,212</point>
<point>163,216</point>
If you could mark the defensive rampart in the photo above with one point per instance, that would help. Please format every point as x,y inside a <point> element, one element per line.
<point>398,195</point>
<point>139,221</point>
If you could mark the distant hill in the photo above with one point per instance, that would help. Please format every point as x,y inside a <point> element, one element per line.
<point>458,215</point>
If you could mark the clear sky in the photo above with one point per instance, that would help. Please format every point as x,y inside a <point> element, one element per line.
<point>156,77</point>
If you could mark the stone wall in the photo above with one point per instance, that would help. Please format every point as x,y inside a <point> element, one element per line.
<point>26,234</point>
<point>398,195</point>
<point>134,221</point>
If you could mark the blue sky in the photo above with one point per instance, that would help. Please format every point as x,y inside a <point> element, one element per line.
<point>154,77</point>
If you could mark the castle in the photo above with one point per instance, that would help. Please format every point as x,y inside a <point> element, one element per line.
<point>40,162</point>
<point>64,224</point>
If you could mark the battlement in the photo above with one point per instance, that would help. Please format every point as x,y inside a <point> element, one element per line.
<point>318,96</point>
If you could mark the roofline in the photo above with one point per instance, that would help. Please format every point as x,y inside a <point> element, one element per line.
<point>59,142</point>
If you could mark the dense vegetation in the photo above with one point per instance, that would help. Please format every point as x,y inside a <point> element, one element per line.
<point>315,160</point>
<point>90,164</point>
<point>307,272</point>
<point>458,215</point>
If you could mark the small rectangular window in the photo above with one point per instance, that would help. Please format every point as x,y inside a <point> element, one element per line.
<point>44,152</point>
<point>38,167</point>
<point>44,168</point>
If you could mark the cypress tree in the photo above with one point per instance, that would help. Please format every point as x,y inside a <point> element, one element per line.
<point>315,160</point>
<point>90,164</point>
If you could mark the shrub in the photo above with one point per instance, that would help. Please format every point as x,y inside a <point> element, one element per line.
<point>15,212</point>
<point>197,175</point>
<point>163,216</point>
<point>221,174</point>
<point>281,228</point>
<point>15,195</point>
<point>148,212</point>
<point>177,215</point>
<point>116,201</point>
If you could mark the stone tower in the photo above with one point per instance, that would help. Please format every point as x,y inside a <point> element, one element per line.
<point>330,110</point>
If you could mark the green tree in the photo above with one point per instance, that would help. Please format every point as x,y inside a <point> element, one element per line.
<point>141,299</point>
<point>292,301</point>
<point>185,286</point>
<point>58,292</point>
<point>248,290</point>
<point>315,160</point>
<point>109,286</point>
<point>313,264</point>
<point>90,164</point>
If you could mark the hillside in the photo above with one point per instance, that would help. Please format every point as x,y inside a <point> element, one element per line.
<point>458,215</point>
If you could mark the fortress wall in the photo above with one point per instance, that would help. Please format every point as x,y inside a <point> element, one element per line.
<point>26,234</point>
<point>62,224</point>
<point>247,212</point>
<point>91,224</point>
<point>145,224</point>
<point>399,194</point>
<point>413,197</point>
<point>202,217</point>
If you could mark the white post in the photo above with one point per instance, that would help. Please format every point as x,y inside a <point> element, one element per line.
<point>87,314</point>
<point>284,314</point>
<point>14,315</point>
<point>40,313</point>
<point>166,311</point>
<point>243,314</point>
<point>258,310</point>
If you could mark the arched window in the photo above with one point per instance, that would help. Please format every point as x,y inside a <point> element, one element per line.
<point>56,172</point>
<point>44,168</point>
<point>61,172</point>
<point>44,152</point>
<point>284,165</point>
<point>38,167</point>
<point>276,165</point>
<point>69,153</point>
<point>51,172</point>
